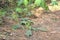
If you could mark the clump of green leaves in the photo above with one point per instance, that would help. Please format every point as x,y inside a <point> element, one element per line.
<point>2,14</point>
<point>14,16</point>
<point>14,27</point>
<point>54,2</point>
<point>27,23</point>
<point>23,8</point>
<point>42,4</point>
<point>28,33</point>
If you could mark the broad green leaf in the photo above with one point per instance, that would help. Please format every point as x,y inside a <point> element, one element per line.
<point>24,19</point>
<point>28,33</point>
<point>54,2</point>
<point>19,10</point>
<point>37,2</point>
<point>23,22</point>
<point>29,14</point>
<point>31,1</point>
<point>35,29</point>
<point>14,27</point>
<point>19,2</point>
<point>44,5</point>
<point>25,2</point>
<point>30,27</point>
<point>2,13</point>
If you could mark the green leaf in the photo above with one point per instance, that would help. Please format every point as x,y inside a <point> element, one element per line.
<point>28,33</point>
<point>35,29</point>
<point>54,2</point>
<point>37,2</point>
<point>19,10</point>
<point>19,2</point>
<point>25,2</point>
<point>42,4</point>
<point>24,19</point>
<point>23,22</point>
<point>30,27</point>
<point>14,27</point>
<point>29,14</point>
<point>2,13</point>
<point>31,1</point>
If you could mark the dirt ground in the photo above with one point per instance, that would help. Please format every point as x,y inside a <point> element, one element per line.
<point>49,20</point>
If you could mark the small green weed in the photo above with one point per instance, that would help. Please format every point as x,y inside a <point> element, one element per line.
<point>27,23</point>
<point>54,2</point>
